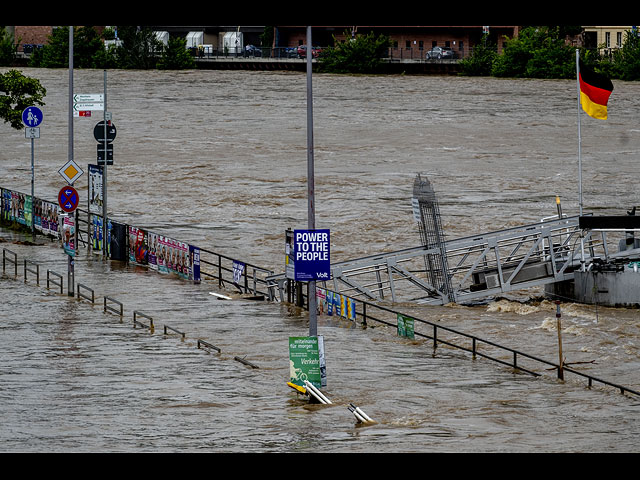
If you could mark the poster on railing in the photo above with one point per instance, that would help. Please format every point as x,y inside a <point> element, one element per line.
<point>194,262</point>
<point>69,234</point>
<point>405,326</point>
<point>138,246</point>
<point>95,189</point>
<point>6,205</point>
<point>172,256</point>
<point>152,239</point>
<point>329,302</point>
<point>16,207</point>
<point>47,218</point>
<point>97,235</point>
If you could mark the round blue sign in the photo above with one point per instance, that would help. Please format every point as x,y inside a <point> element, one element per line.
<point>32,117</point>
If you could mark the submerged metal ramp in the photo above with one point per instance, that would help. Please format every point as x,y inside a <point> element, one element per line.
<point>478,266</point>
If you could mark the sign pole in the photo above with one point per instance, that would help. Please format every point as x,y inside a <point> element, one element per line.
<point>70,264</point>
<point>104,175</point>
<point>313,314</point>
<point>33,223</point>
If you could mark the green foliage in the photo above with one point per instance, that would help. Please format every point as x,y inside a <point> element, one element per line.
<point>480,62</point>
<point>18,92</point>
<point>88,50</point>
<point>139,48</point>
<point>7,48</point>
<point>363,54</point>
<point>624,63</point>
<point>537,52</point>
<point>176,56</point>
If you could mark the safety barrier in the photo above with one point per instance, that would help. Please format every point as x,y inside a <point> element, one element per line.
<point>136,314</point>
<point>166,327</point>
<point>109,308</point>
<point>82,295</point>
<point>6,259</point>
<point>437,331</point>
<point>30,270</point>
<point>217,266</point>
<point>58,283</point>
<point>208,345</point>
<point>515,357</point>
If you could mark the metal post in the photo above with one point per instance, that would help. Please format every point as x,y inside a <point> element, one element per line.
<point>582,261</point>
<point>559,326</point>
<point>313,316</point>
<point>104,176</point>
<point>70,265</point>
<point>33,223</point>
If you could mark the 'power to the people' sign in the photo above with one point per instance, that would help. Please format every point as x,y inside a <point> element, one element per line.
<point>312,255</point>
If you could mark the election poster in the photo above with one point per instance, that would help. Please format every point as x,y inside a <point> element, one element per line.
<point>312,256</point>
<point>307,361</point>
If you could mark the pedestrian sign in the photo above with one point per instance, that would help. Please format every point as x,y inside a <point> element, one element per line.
<point>32,116</point>
<point>70,171</point>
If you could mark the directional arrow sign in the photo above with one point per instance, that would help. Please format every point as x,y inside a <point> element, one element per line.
<point>68,199</point>
<point>83,102</point>
<point>88,98</point>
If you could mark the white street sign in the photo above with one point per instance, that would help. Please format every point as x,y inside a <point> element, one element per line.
<point>32,132</point>
<point>88,106</point>
<point>88,98</point>
<point>83,102</point>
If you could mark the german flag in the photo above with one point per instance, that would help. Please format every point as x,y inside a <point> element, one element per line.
<point>595,90</point>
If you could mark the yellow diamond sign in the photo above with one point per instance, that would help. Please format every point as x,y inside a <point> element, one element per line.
<point>70,171</point>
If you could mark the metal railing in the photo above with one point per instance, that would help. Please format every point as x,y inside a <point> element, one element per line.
<point>478,347</point>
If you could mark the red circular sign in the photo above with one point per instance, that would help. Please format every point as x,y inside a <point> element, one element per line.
<point>68,199</point>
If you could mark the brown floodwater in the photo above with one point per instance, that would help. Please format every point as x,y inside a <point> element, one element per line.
<point>218,158</point>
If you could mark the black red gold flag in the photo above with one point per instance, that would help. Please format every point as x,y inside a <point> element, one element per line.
<point>595,90</point>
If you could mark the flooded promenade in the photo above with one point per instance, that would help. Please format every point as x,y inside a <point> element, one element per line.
<point>218,158</point>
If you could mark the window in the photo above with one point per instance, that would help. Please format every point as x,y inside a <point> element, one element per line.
<point>421,45</point>
<point>607,39</point>
<point>408,45</point>
<point>619,39</point>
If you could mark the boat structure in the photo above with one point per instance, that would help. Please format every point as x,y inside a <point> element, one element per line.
<point>584,258</point>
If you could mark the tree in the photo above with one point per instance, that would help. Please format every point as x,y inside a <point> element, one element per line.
<point>88,50</point>
<point>18,92</point>
<point>362,54</point>
<point>624,63</point>
<point>7,48</point>
<point>537,52</point>
<point>176,56</point>
<point>481,60</point>
<point>139,47</point>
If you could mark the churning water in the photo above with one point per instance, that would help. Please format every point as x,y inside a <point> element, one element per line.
<point>218,158</point>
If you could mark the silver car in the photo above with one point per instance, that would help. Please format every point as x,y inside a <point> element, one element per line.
<point>440,52</point>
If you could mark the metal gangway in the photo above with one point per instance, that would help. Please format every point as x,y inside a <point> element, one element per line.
<point>479,266</point>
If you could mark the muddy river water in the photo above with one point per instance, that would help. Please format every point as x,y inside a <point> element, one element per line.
<point>218,158</point>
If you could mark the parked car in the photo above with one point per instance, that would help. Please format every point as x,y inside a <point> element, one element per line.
<point>253,51</point>
<point>315,51</point>
<point>441,52</point>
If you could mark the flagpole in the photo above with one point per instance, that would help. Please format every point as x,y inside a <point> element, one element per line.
<point>582,262</point>
<point>579,134</point>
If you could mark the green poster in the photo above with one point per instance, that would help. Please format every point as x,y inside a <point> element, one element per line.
<point>405,326</point>
<point>304,361</point>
